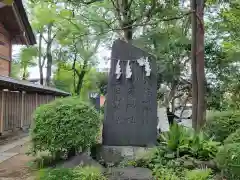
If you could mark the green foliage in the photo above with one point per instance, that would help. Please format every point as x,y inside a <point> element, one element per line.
<point>165,174</point>
<point>180,149</point>
<point>63,125</point>
<point>228,161</point>
<point>221,124</point>
<point>233,138</point>
<point>55,174</point>
<point>43,161</point>
<point>199,174</point>
<point>15,70</point>
<point>142,159</point>
<point>181,141</point>
<point>63,79</point>
<point>79,173</point>
<point>25,59</point>
<point>88,173</point>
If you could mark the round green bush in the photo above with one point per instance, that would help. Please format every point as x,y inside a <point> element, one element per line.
<point>228,161</point>
<point>233,138</point>
<point>64,125</point>
<point>221,124</point>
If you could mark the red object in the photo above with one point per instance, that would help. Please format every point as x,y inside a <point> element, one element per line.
<point>102,100</point>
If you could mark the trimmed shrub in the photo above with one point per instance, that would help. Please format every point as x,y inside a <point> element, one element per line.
<point>233,138</point>
<point>228,161</point>
<point>221,124</point>
<point>64,125</point>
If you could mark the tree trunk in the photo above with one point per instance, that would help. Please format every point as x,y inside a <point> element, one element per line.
<point>128,31</point>
<point>49,64</point>
<point>201,114</point>
<point>193,67</point>
<point>49,56</point>
<point>80,82</point>
<point>81,76</point>
<point>40,64</point>
<point>198,73</point>
<point>126,21</point>
<point>24,76</point>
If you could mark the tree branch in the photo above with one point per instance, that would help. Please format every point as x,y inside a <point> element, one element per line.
<point>147,14</point>
<point>86,2</point>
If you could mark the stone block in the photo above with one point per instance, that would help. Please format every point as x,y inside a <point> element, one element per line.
<point>115,154</point>
<point>129,173</point>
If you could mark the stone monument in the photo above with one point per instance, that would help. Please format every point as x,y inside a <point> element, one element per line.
<point>131,104</point>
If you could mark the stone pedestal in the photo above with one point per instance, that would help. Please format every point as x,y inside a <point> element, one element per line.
<point>115,154</point>
<point>129,173</point>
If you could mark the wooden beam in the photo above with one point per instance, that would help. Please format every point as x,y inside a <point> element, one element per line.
<point>36,100</point>
<point>22,108</point>
<point>2,112</point>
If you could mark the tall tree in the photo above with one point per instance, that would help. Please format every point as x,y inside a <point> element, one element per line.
<point>45,20</point>
<point>198,73</point>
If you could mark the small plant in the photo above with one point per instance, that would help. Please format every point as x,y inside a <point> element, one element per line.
<point>64,126</point>
<point>202,147</point>
<point>180,141</point>
<point>233,138</point>
<point>165,174</point>
<point>221,124</point>
<point>55,174</point>
<point>142,159</point>
<point>228,161</point>
<point>177,137</point>
<point>88,173</point>
<point>79,173</point>
<point>43,161</point>
<point>199,174</point>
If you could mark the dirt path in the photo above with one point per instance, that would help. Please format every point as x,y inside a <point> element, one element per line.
<point>17,167</point>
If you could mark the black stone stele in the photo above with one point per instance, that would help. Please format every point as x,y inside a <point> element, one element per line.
<point>131,107</point>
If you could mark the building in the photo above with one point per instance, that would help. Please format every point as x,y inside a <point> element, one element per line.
<point>18,99</point>
<point>14,29</point>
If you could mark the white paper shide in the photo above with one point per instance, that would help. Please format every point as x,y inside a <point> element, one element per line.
<point>147,67</point>
<point>128,70</point>
<point>141,62</point>
<point>118,70</point>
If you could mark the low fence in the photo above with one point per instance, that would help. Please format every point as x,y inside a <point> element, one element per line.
<point>17,109</point>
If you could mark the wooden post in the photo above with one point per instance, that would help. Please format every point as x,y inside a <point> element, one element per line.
<point>2,111</point>
<point>36,100</point>
<point>22,109</point>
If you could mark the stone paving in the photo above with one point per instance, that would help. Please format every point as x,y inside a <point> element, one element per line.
<point>14,163</point>
<point>4,155</point>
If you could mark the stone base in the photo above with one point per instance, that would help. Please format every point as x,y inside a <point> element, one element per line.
<point>115,154</point>
<point>129,173</point>
<point>81,159</point>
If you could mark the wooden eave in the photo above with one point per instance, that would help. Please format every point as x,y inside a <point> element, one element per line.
<point>15,21</point>
<point>20,85</point>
